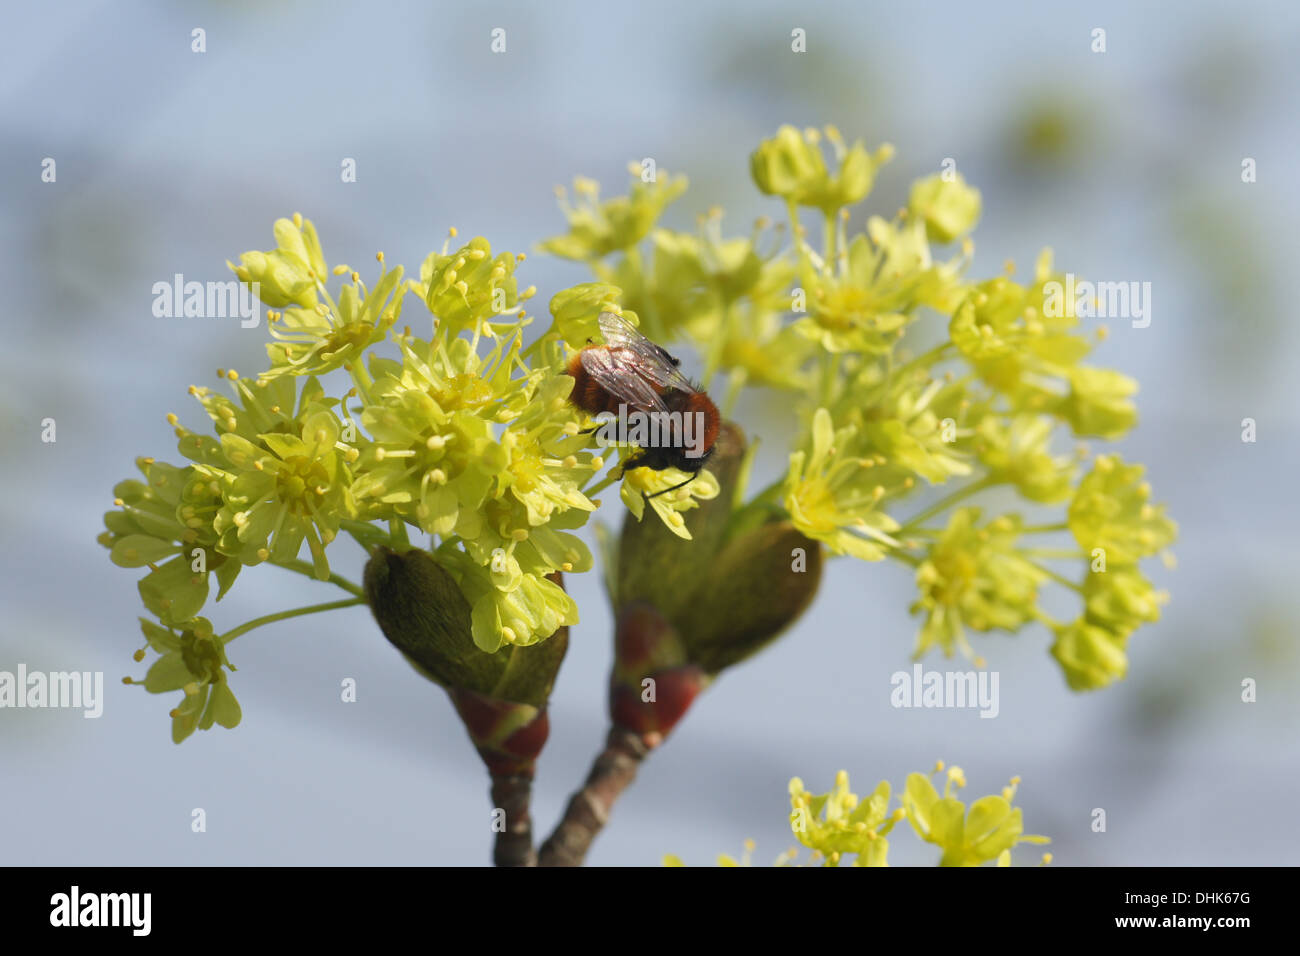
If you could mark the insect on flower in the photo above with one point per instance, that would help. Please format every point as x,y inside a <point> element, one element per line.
<point>674,423</point>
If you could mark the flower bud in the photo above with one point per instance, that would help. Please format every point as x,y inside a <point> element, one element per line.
<point>285,275</point>
<point>423,613</point>
<point>575,310</point>
<point>1091,657</point>
<point>787,165</point>
<point>790,165</point>
<point>948,207</point>
<point>687,609</point>
<point>500,697</point>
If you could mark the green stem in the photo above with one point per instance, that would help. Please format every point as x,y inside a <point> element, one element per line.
<point>735,382</point>
<point>925,358</point>
<point>830,372</point>
<point>767,493</point>
<point>357,369</point>
<point>1058,578</point>
<point>285,615</point>
<point>1045,528</point>
<point>306,568</point>
<point>828,244</point>
<point>364,533</point>
<point>1050,553</point>
<point>397,529</point>
<point>601,485</point>
<point>945,503</point>
<point>713,361</point>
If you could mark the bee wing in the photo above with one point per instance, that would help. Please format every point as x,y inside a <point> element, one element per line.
<point>652,361</point>
<point>619,373</point>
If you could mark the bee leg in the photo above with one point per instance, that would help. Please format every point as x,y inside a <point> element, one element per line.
<point>682,484</point>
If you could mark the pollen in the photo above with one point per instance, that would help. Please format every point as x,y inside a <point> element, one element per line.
<point>451,231</point>
<point>379,257</point>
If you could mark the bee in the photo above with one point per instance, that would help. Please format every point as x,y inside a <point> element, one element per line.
<point>629,373</point>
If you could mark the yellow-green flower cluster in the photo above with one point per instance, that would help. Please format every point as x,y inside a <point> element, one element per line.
<point>903,373</point>
<point>193,661</point>
<point>987,830</point>
<point>838,824</point>
<point>832,493</point>
<point>792,165</point>
<point>1115,525</point>
<point>839,827</point>
<point>598,228</point>
<point>463,435</point>
<point>974,576</point>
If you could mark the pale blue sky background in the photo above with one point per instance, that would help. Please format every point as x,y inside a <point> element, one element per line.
<point>173,162</point>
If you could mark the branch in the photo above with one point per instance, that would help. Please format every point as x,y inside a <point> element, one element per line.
<point>514,845</point>
<point>588,810</point>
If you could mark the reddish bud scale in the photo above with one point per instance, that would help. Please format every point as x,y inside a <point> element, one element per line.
<point>675,689</point>
<point>508,736</point>
<point>644,641</point>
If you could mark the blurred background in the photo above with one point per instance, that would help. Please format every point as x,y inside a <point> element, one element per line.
<point>1127,163</point>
